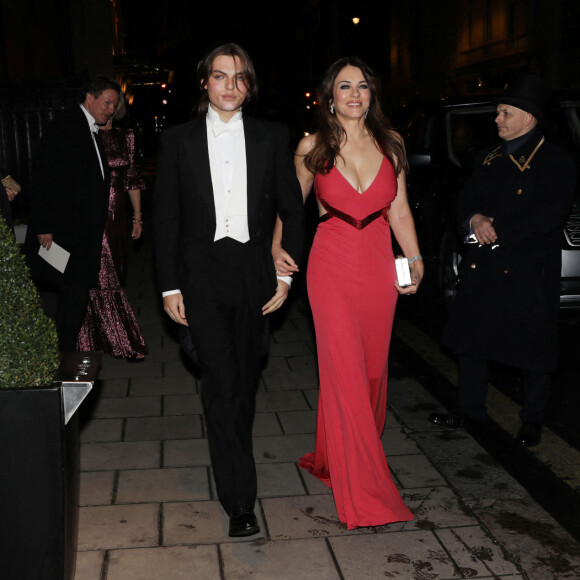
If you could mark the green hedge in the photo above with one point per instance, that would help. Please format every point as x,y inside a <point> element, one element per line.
<point>29,354</point>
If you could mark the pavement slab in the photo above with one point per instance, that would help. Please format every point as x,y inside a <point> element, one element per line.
<point>182,405</point>
<point>185,452</point>
<point>475,553</point>
<point>110,388</point>
<point>285,380</point>
<point>540,546</point>
<point>96,487</point>
<point>415,471</point>
<point>397,441</point>
<point>279,479</point>
<point>279,560</point>
<point>89,565</point>
<point>312,516</point>
<point>295,422</point>
<point>434,508</point>
<point>266,424</point>
<point>163,386</point>
<point>412,555</point>
<point>161,428</point>
<point>160,485</point>
<point>118,526</point>
<point>107,408</point>
<point>473,471</point>
<point>123,455</point>
<point>280,401</point>
<point>177,563</point>
<point>282,448</point>
<point>100,430</point>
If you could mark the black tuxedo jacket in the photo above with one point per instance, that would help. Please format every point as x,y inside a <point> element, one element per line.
<point>70,199</point>
<point>184,210</point>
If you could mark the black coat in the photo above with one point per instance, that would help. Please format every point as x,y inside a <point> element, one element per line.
<point>508,298</point>
<point>70,199</point>
<point>184,211</point>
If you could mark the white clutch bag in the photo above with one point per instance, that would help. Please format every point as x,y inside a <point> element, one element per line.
<point>403,272</point>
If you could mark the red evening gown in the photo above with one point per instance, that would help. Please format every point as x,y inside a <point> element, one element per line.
<point>351,274</point>
<point>110,324</point>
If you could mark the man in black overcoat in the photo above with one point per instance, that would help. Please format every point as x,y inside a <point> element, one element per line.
<point>221,180</point>
<point>70,198</point>
<point>512,211</point>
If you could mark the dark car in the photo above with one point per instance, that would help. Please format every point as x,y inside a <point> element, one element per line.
<point>442,140</point>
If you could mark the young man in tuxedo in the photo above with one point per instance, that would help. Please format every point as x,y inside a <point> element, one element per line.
<point>221,180</point>
<point>70,199</point>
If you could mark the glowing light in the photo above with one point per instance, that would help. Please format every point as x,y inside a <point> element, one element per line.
<point>306,133</point>
<point>307,95</point>
<point>355,20</point>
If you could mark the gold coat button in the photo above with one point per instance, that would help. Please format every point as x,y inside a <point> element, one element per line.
<point>519,192</point>
<point>473,266</point>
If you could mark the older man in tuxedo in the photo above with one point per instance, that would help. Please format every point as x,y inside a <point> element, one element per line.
<point>221,180</point>
<point>70,198</point>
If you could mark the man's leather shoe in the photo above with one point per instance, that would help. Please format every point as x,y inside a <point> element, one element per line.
<point>530,434</point>
<point>243,524</point>
<point>449,420</point>
<point>456,421</point>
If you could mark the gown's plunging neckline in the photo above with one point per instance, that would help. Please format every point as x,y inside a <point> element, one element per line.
<point>353,187</point>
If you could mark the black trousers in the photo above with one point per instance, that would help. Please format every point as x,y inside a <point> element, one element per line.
<point>223,308</point>
<point>67,306</point>
<point>473,379</point>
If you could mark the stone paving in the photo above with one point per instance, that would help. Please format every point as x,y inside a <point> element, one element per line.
<point>148,501</point>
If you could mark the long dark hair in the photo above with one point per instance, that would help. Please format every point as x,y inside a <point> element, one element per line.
<point>321,158</point>
<point>205,65</point>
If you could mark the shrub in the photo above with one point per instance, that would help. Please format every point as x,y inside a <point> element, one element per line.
<point>29,354</point>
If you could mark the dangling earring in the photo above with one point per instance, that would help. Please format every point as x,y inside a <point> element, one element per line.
<point>367,112</point>
<point>332,109</point>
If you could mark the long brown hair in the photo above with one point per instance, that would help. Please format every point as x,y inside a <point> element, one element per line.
<point>204,68</point>
<point>321,158</point>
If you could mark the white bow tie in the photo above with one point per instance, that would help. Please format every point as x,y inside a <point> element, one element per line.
<point>233,127</point>
<point>94,128</point>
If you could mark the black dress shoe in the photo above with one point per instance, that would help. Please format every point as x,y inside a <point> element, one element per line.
<point>456,420</point>
<point>243,524</point>
<point>449,420</point>
<point>530,434</point>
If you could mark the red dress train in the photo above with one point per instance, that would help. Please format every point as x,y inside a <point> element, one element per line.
<point>351,274</point>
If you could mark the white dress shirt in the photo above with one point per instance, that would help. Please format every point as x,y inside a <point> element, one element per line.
<point>94,129</point>
<point>227,161</point>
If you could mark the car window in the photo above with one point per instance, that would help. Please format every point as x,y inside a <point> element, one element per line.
<point>468,131</point>
<point>422,133</point>
<point>563,127</point>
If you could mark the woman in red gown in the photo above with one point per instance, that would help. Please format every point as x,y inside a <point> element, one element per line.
<point>110,324</point>
<point>357,167</point>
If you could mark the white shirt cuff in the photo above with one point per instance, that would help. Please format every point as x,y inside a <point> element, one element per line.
<point>170,292</point>
<point>287,279</point>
